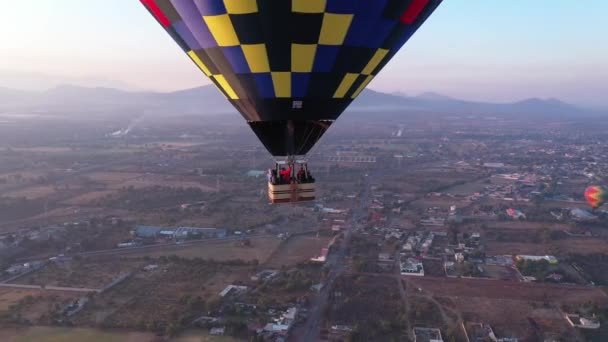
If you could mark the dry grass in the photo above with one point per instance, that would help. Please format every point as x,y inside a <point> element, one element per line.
<point>33,192</point>
<point>560,247</point>
<point>79,273</point>
<point>260,249</point>
<point>55,334</point>
<point>9,297</point>
<point>118,180</point>
<point>88,197</point>
<point>298,249</point>
<point>510,290</point>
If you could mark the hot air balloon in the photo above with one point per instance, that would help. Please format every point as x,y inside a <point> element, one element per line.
<point>291,67</point>
<point>595,196</point>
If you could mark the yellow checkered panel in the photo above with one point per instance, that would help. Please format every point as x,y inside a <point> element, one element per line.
<point>317,51</point>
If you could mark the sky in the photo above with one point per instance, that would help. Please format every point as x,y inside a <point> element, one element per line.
<point>490,50</point>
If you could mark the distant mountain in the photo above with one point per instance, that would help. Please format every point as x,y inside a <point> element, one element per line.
<point>207,100</point>
<point>431,96</point>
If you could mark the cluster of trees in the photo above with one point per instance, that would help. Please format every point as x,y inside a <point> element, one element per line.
<point>538,269</point>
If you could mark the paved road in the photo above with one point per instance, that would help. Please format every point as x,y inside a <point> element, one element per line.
<point>337,262</point>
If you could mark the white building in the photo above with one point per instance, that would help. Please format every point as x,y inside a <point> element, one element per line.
<point>412,267</point>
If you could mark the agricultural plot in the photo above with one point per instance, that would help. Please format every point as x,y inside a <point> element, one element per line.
<point>260,249</point>
<point>80,273</point>
<point>176,291</point>
<point>56,334</point>
<point>298,249</point>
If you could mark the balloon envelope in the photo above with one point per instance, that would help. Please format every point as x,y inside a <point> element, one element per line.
<point>595,196</point>
<point>290,67</point>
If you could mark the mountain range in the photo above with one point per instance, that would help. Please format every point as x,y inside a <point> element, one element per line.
<point>207,100</point>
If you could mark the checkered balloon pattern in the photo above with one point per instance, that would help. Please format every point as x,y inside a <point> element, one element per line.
<point>291,60</point>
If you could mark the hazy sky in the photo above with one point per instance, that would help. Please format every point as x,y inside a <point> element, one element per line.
<point>494,50</point>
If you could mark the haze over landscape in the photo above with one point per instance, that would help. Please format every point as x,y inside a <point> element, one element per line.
<point>459,198</point>
<point>474,49</point>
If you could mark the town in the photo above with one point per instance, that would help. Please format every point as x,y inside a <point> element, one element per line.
<point>427,227</point>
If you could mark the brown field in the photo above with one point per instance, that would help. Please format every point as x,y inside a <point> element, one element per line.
<point>9,297</point>
<point>509,290</point>
<point>118,180</point>
<point>260,249</point>
<point>25,174</point>
<point>43,149</point>
<point>41,304</point>
<point>525,225</point>
<point>110,178</point>
<point>163,181</point>
<point>33,192</point>
<point>202,336</point>
<point>87,197</point>
<point>84,273</point>
<point>56,334</point>
<point>559,247</point>
<point>156,296</point>
<point>467,188</point>
<point>298,249</point>
<point>511,318</point>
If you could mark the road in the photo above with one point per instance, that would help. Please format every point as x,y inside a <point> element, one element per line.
<point>337,261</point>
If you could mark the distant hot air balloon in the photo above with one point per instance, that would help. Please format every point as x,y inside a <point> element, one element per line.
<point>595,196</point>
<point>291,67</point>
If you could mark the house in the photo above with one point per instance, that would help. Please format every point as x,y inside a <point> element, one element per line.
<point>551,259</point>
<point>583,322</point>
<point>433,221</point>
<point>15,269</point>
<point>427,335</point>
<point>322,257</point>
<point>516,214</point>
<point>385,257</point>
<point>76,306</point>
<point>150,268</point>
<point>147,231</point>
<point>217,331</point>
<point>233,290</point>
<point>289,316</point>
<point>556,277</point>
<point>459,257</point>
<point>264,275</point>
<point>494,165</point>
<point>317,287</point>
<point>255,173</point>
<point>412,267</point>
<point>579,214</point>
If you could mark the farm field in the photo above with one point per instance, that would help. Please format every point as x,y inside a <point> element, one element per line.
<point>118,180</point>
<point>79,273</point>
<point>511,318</point>
<point>526,225</point>
<point>54,334</point>
<point>33,192</point>
<point>88,197</point>
<point>260,249</point>
<point>9,297</point>
<point>162,295</point>
<point>566,246</point>
<point>509,290</point>
<point>298,249</point>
